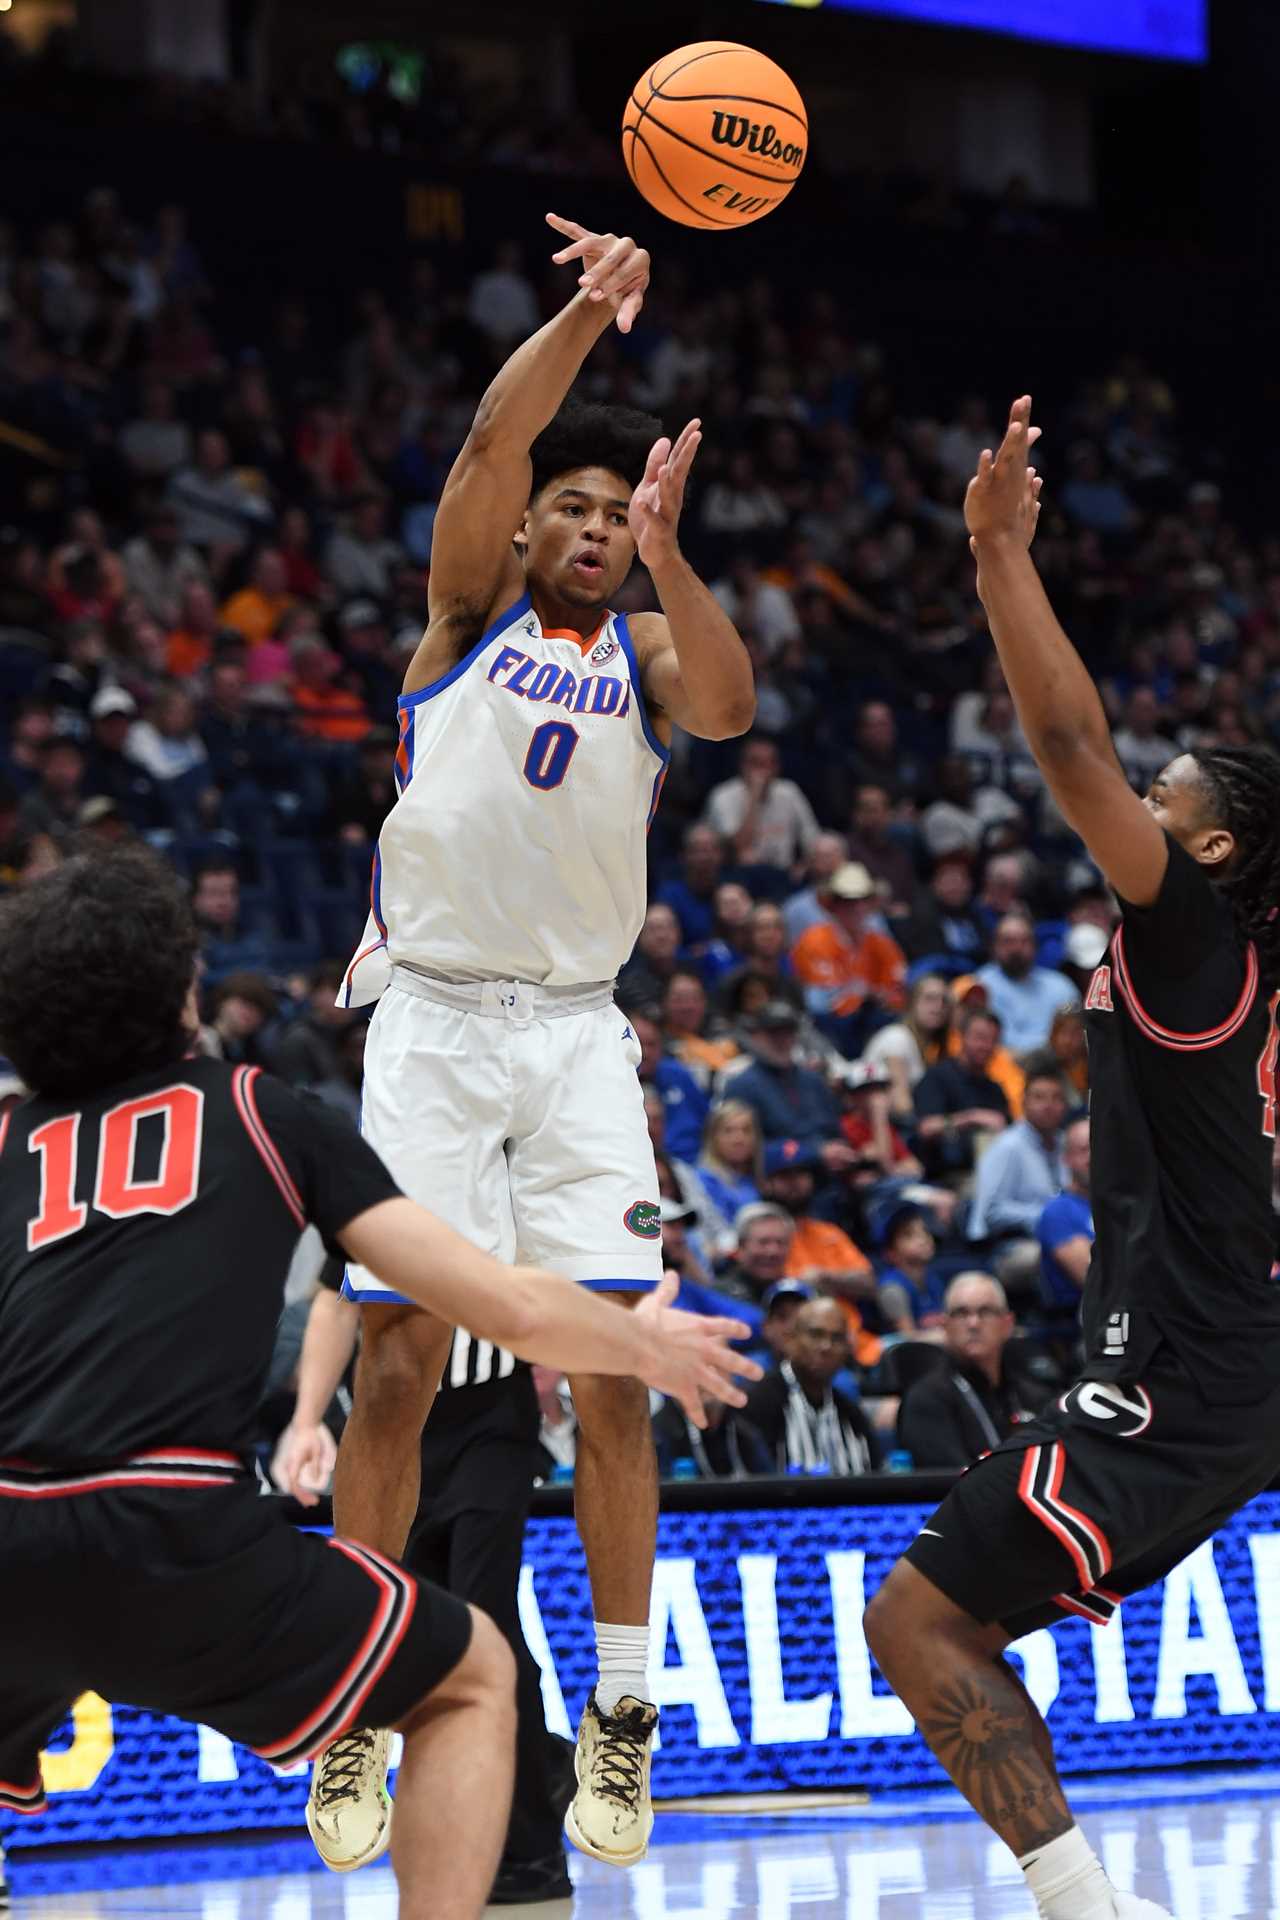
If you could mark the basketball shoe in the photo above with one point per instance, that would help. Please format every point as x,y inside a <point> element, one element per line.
<point>349,1808</point>
<point>611,1816</point>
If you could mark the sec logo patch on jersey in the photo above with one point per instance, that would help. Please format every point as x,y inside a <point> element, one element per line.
<point>603,650</point>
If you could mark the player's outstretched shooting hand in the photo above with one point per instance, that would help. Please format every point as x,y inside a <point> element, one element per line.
<point>693,1361</point>
<point>656,503</point>
<point>613,269</point>
<point>304,1462</point>
<point>1003,500</point>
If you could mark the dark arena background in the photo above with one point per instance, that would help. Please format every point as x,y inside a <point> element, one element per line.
<point>258,262</point>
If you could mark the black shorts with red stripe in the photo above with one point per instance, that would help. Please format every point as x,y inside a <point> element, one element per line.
<point>1100,1497</point>
<point>167,1582</point>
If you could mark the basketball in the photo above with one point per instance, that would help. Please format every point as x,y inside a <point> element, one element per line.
<point>714,135</point>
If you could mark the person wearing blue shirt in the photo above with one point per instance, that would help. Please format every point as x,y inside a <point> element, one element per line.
<point>691,894</point>
<point>1025,996</point>
<point>790,1100</point>
<point>684,1102</point>
<point>1022,1168</point>
<point>1065,1231</point>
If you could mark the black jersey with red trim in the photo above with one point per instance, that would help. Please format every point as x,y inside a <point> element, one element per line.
<point>145,1236</point>
<point>1182,1046</point>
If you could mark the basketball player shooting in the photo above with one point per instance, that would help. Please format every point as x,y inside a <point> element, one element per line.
<point>1175,1422</point>
<point>509,887</point>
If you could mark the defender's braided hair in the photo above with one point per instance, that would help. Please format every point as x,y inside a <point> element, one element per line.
<point>1243,788</point>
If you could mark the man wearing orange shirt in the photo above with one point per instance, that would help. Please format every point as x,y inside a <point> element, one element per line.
<point>849,970</point>
<point>255,611</point>
<point>821,1253</point>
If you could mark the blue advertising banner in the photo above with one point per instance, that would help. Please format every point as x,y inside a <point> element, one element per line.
<point>764,1679</point>
<point>1158,29</point>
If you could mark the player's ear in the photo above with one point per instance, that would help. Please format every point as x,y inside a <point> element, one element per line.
<point>520,538</point>
<point>1214,846</point>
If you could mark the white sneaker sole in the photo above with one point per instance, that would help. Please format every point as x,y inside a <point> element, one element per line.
<point>366,1859</point>
<point>594,1852</point>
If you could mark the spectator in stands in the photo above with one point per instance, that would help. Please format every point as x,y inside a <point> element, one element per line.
<point>1018,1174</point>
<point>1083,951</point>
<point>791,1101</point>
<point>691,893</point>
<point>885,1165</point>
<point>165,743</point>
<point>693,1035</point>
<point>685,1102</point>
<point>757,606</point>
<point>503,304</point>
<point>821,1254</point>
<point>906,1284</point>
<point>226,945</point>
<point>1065,1227</point>
<point>683,1254</point>
<point>189,645</point>
<point>1025,996</point>
<point>780,1305</point>
<point>1003,890</point>
<point>363,802</point>
<point>362,559</point>
<point>726,950</point>
<point>731,1164</point>
<point>879,759</point>
<point>157,442</point>
<point>52,806</point>
<point>764,1234</point>
<point>956,1100</point>
<point>766,820</point>
<point>727,1448</point>
<point>945,928</point>
<point>1141,748</point>
<point>1067,1053</point>
<point>852,974</point>
<point>908,1047</point>
<point>342,1089</point>
<point>216,508</point>
<point>160,564</point>
<point>806,1423</point>
<point>240,1006</point>
<point>656,955</point>
<point>311,1050</point>
<point>30,731</point>
<point>886,859</point>
<point>325,706</point>
<point>970,1402</point>
<point>828,853</point>
<point>962,814</point>
<point>112,771</point>
<point>767,949</point>
<point>255,610</point>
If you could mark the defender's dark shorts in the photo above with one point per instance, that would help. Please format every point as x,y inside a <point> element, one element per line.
<point>1098,1498</point>
<point>169,1583</point>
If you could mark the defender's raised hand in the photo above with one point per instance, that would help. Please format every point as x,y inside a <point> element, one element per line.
<point>1003,500</point>
<point>692,1357</point>
<point>613,269</point>
<point>656,502</point>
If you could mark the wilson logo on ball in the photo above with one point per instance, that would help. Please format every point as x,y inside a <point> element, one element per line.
<point>732,130</point>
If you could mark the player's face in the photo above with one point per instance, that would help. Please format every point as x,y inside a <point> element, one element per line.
<point>1176,797</point>
<point>578,543</point>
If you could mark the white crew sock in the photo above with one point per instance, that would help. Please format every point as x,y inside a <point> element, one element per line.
<point>1067,1880</point>
<point>623,1656</point>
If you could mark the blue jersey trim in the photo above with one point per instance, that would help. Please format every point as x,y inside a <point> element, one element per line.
<point>375,893</point>
<point>628,647</point>
<point>504,620</point>
<point>376,1297</point>
<point>618,1286</point>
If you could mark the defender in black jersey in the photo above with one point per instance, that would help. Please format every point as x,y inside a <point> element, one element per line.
<point>1175,1421</point>
<point>149,1205</point>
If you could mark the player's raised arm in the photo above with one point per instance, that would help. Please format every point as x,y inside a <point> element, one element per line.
<point>694,664</point>
<point>540,1316</point>
<point>1057,703</point>
<point>472,557</point>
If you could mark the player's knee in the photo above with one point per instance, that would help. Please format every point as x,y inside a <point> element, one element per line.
<point>611,1410</point>
<point>485,1678</point>
<point>399,1369</point>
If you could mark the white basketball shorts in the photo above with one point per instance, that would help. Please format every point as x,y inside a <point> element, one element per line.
<point>515,1113</point>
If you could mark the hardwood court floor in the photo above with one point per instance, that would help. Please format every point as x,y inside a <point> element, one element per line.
<point>1207,1848</point>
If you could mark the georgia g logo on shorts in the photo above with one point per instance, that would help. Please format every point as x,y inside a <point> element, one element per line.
<point>643,1219</point>
<point>1125,1412</point>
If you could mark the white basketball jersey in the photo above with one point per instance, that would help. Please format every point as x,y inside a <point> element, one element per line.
<point>528,776</point>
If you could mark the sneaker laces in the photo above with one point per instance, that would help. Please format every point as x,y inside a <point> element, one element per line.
<point>343,1766</point>
<point>617,1769</point>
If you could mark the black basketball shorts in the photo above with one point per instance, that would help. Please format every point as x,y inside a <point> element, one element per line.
<point>1101,1496</point>
<point>169,1583</point>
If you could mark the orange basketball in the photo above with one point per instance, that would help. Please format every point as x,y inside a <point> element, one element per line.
<point>714,135</point>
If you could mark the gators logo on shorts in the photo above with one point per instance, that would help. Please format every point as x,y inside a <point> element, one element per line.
<point>643,1219</point>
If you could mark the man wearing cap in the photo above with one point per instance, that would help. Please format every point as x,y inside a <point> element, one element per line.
<point>969,1403</point>
<point>851,973</point>
<point>780,1305</point>
<point>52,806</point>
<point>100,823</point>
<point>821,1253</point>
<point>110,773</point>
<point>791,1101</point>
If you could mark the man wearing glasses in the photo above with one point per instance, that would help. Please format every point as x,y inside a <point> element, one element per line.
<point>970,1403</point>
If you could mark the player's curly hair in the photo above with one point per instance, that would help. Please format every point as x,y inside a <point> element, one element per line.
<point>96,961</point>
<point>586,434</point>
<point>1242,785</point>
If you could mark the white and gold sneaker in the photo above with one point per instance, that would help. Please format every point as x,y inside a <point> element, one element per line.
<point>611,1816</point>
<point>349,1808</point>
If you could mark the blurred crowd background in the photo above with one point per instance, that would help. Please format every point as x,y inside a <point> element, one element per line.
<point>859,984</point>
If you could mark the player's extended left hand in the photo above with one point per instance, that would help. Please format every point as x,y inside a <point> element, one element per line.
<point>1003,499</point>
<point>692,1359</point>
<point>654,514</point>
<point>304,1461</point>
<point>613,269</point>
